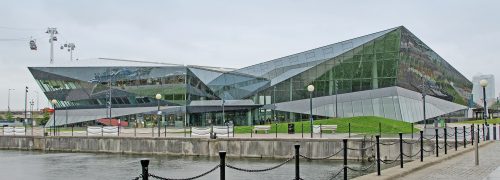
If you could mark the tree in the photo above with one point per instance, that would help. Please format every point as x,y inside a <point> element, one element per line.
<point>45,119</point>
<point>9,116</point>
<point>1,117</point>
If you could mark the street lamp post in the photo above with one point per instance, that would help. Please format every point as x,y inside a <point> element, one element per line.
<point>25,107</point>
<point>483,84</point>
<point>158,97</point>
<point>310,88</point>
<point>8,102</point>
<point>54,102</point>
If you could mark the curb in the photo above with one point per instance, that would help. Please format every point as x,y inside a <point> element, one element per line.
<point>416,165</point>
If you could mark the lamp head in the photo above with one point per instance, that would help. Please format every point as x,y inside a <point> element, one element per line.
<point>483,83</point>
<point>158,96</point>
<point>310,88</point>
<point>54,101</point>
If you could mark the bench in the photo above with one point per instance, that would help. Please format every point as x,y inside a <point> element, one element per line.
<point>200,131</point>
<point>264,128</point>
<point>223,130</point>
<point>319,128</point>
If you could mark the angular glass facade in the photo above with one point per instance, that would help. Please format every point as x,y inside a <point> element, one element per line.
<point>380,74</point>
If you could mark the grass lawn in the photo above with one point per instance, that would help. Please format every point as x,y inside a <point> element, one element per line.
<point>490,121</point>
<point>364,125</point>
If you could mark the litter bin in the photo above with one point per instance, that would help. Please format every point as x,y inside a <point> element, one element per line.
<point>291,128</point>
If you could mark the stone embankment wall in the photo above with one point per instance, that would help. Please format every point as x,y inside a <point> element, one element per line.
<point>235,147</point>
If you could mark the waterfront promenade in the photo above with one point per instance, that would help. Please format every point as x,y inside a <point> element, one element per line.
<point>462,166</point>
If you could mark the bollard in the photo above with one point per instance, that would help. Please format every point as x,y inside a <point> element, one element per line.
<point>222,156</point>
<point>476,148</point>
<point>401,149</point>
<point>411,130</point>
<point>302,129</point>
<point>145,173</point>
<point>349,130</point>
<point>345,158</point>
<point>379,129</point>
<point>276,133</point>
<point>445,140</point>
<point>421,146</point>
<point>378,154</point>
<point>472,134</point>
<point>465,137</point>
<point>297,162</point>
<point>166,131</point>
<point>456,145</point>
<point>494,132</point>
<point>437,143</point>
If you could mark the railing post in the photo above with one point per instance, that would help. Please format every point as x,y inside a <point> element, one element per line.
<point>456,141</point>
<point>494,132</point>
<point>401,149</point>
<point>421,146</point>
<point>297,162</point>
<point>411,130</point>
<point>378,154</point>
<point>345,158</point>
<point>166,131</point>
<point>135,130</point>
<point>379,128</point>
<point>488,132</point>
<point>145,173</point>
<point>465,137</point>
<point>152,131</point>
<point>251,131</point>
<point>102,130</point>
<point>320,131</point>
<point>349,130</point>
<point>303,129</point>
<point>72,129</point>
<point>472,134</point>
<point>222,156</point>
<point>228,131</point>
<point>479,134</point>
<point>437,143</point>
<point>445,140</point>
<point>190,131</point>
<point>484,134</point>
<point>184,130</point>
<point>233,129</point>
<point>276,130</point>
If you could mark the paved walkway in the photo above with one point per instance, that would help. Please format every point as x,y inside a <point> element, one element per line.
<point>462,167</point>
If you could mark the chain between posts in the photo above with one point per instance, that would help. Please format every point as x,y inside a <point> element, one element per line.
<point>195,177</point>
<point>322,158</point>
<point>259,170</point>
<point>390,161</point>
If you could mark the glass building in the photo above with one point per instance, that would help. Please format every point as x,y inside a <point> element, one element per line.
<point>380,74</point>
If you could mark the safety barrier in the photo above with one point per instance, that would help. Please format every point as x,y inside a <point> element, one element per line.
<point>436,142</point>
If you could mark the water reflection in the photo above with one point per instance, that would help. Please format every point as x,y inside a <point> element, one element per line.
<point>63,165</point>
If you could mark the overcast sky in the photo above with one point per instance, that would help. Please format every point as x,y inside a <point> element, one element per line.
<point>231,33</point>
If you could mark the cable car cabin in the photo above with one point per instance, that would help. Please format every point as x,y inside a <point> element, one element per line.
<point>54,38</point>
<point>33,45</point>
